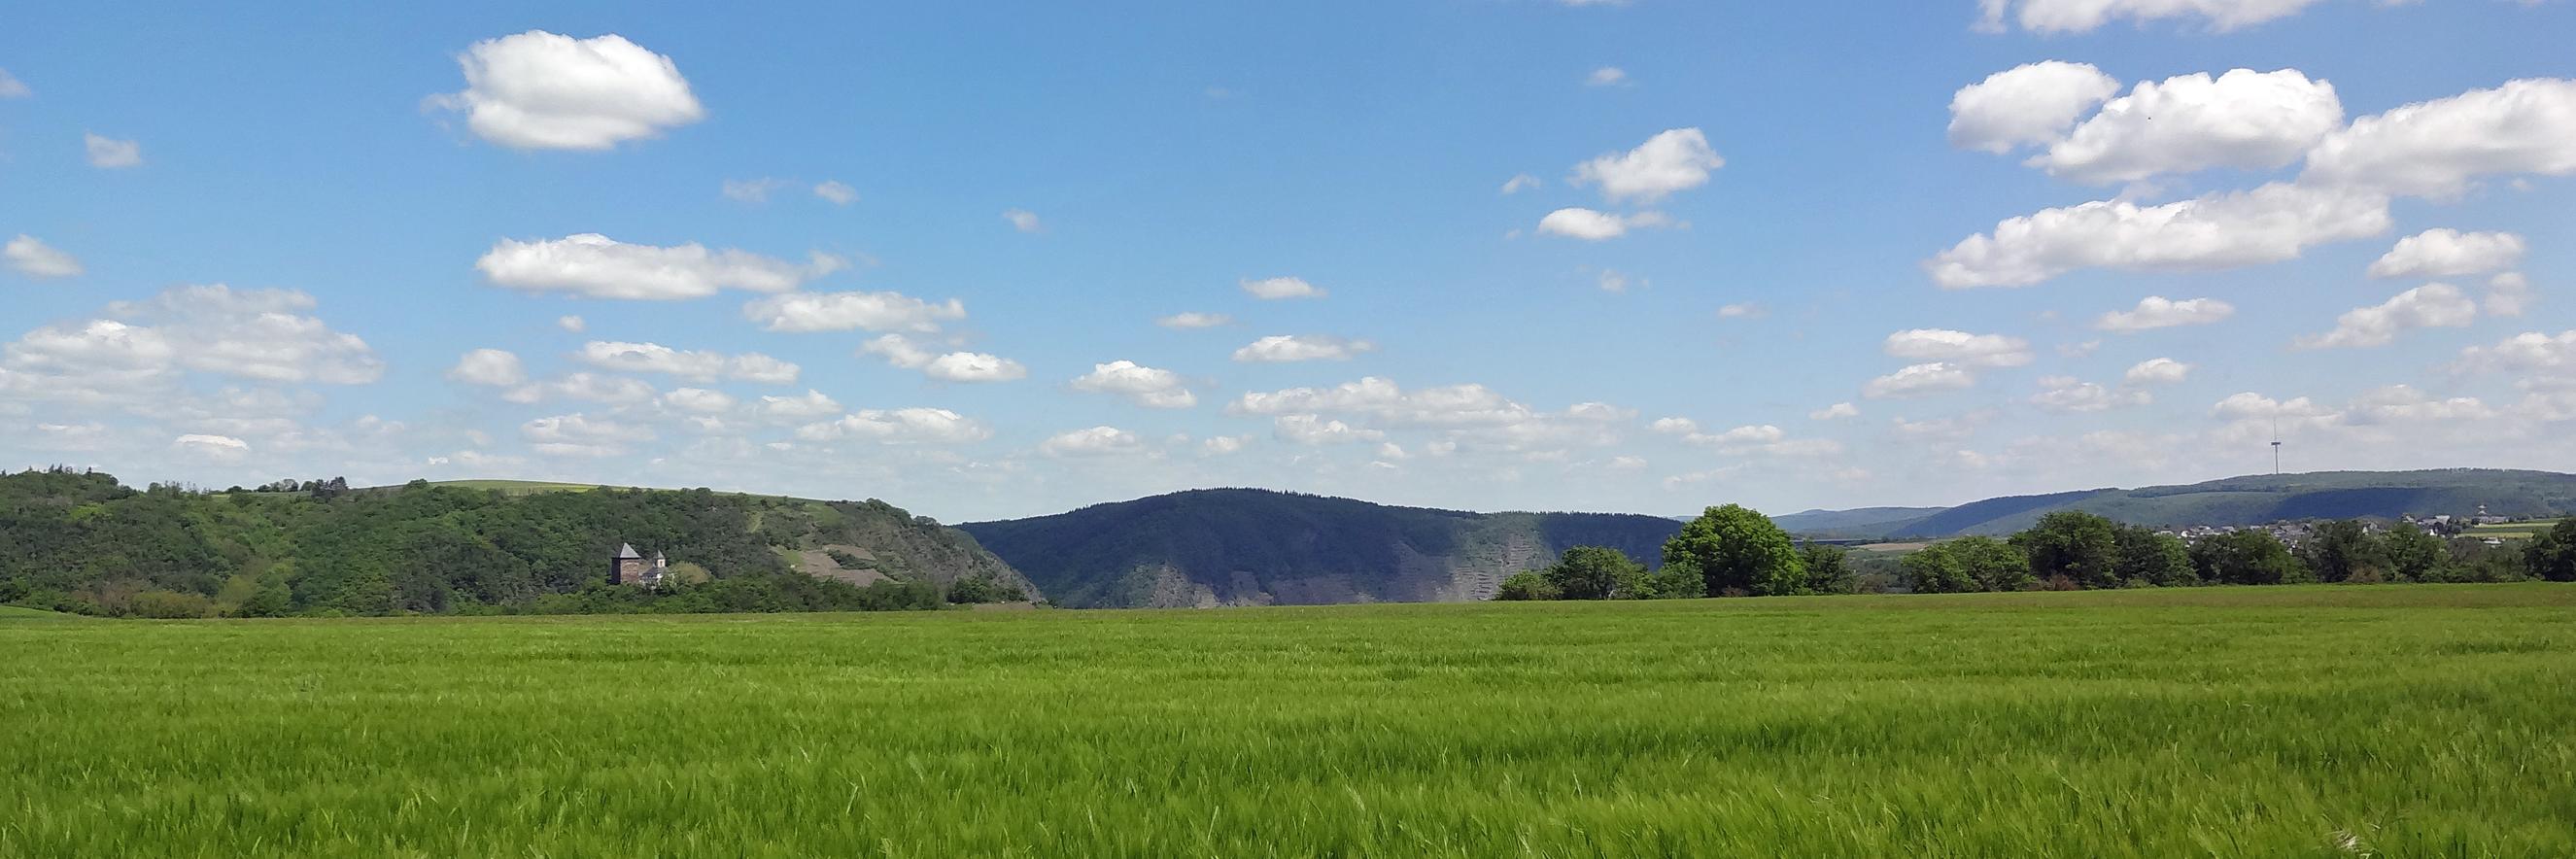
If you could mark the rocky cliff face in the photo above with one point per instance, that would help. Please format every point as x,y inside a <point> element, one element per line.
<point>890,543</point>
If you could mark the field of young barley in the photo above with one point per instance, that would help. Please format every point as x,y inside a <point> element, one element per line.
<point>2399,721</point>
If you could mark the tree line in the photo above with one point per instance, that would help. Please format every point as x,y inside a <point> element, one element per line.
<point>1736,551</point>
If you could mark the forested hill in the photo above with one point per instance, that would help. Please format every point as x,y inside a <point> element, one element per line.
<point>2250,500</point>
<point>79,541</point>
<point>1248,546</point>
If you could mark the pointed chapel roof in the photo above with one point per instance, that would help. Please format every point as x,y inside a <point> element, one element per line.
<point>626,551</point>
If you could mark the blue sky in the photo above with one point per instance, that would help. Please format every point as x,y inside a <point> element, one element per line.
<point>1801,188</point>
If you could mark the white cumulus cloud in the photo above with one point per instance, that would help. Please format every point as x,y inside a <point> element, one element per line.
<point>1096,441</point>
<point>1277,288</point>
<point>2068,394</point>
<point>1675,160</point>
<point>215,447</point>
<point>1315,430</point>
<point>2508,294</point>
<point>581,435</point>
<point>835,192</point>
<point>811,404</point>
<point>1384,401</point>
<point>2243,119</point>
<point>751,190</point>
<point>136,347</point>
<point>1959,347</point>
<point>540,90</point>
<point>2083,16</point>
<point>2530,351</point>
<point>698,401</point>
<point>1592,225</point>
<point>692,365</point>
<point>2435,305</point>
<point>1919,380</point>
<point>1284,348</point>
<point>1187,321</point>
<point>903,352</point>
<point>2273,223</point>
<point>2449,253</point>
<point>2034,103</point>
<point>489,367</point>
<point>2156,311</point>
<point>596,266</point>
<point>34,258</point>
<point>899,426</point>
<point>586,387</point>
<point>2436,148</point>
<point>849,311</point>
<point>108,153</point>
<point>2158,371</point>
<point>1142,385</point>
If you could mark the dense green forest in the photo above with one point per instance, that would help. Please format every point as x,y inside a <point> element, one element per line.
<point>1251,546</point>
<point>1735,551</point>
<point>80,541</point>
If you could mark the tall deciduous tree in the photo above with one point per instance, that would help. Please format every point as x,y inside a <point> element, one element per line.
<point>2341,550</point>
<point>1738,551</point>
<point>2552,555</point>
<point>1524,586</point>
<point>2082,547</point>
<point>2247,557</point>
<point>1829,569</point>
<point>1596,573</point>
<point>2162,560</point>
<point>1935,569</point>
<point>2416,555</point>
<point>1967,564</point>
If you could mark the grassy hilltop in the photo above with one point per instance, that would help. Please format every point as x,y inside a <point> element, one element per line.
<point>2306,721</point>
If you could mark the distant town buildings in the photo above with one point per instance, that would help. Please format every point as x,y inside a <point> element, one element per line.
<point>2294,533</point>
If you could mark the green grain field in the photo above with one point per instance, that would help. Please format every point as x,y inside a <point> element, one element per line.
<point>2511,530</point>
<point>2315,721</point>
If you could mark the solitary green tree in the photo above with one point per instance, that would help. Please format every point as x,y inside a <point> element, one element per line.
<point>2082,547</point>
<point>1596,573</point>
<point>1738,551</point>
